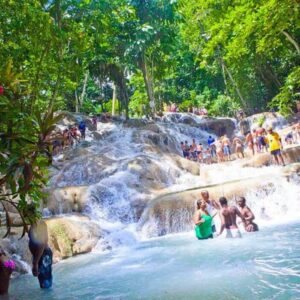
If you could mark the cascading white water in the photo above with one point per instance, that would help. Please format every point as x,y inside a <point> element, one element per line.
<point>128,171</point>
<point>130,165</point>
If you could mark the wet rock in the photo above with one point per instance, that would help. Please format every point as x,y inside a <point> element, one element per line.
<point>137,123</point>
<point>266,119</point>
<point>66,200</point>
<point>72,235</point>
<point>162,215</point>
<point>219,126</point>
<point>291,154</point>
<point>187,165</point>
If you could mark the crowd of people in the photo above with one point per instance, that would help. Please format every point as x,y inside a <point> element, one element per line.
<point>207,210</point>
<point>68,137</point>
<point>257,141</point>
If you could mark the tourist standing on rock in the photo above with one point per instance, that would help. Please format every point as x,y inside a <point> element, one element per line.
<point>228,216</point>
<point>194,150</point>
<point>211,206</point>
<point>203,221</point>
<point>82,128</point>
<point>187,150</point>
<point>6,268</point>
<point>239,148</point>
<point>95,121</point>
<point>199,152</point>
<point>38,246</point>
<point>248,215</point>
<point>250,142</point>
<point>255,140</point>
<point>275,145</point>
<point>226,147</point>
<point>211,143</point>
<point>219,150</point>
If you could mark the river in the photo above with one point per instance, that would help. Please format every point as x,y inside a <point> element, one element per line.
<point>262,265</point>
<point>128,171</point>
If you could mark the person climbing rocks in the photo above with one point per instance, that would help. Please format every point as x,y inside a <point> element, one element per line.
<point>199,152</point>
<point>187,150</point>
<point>203,221</point>
<point>248,215</point>
<point>274,141</point>
<point>38,246</point>
<point>82,128</point>
<point>219,151</point>
<point>228,216</point>
<point>6,268</point>
<point>226,147</point>
<point>239,148</point>
<point>250,142</point>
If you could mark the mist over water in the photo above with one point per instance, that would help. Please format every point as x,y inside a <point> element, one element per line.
<point>154,253</point>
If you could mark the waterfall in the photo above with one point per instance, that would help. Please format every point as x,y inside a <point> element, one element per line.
<point>127,167</point>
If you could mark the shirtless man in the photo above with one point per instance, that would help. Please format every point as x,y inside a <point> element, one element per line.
<point>211,206</point>
<point>246,212</point>
<point>255,140</point>
<point>250,142</point>
<point>226,147</point>
<point>228,219</point>
<point>194,150</point>
<point>239,149</point>
<point>199,152</point>
<point>219,150</point>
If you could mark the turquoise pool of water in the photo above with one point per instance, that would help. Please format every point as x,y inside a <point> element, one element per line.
<point>262,265</point>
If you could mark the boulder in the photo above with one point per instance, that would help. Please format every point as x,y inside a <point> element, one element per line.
<point>66,200</point>
<point>291,154</point>
<point>67,236</point>
<point>72,235</point>
<point>164,212</point>
<point>219,126</point>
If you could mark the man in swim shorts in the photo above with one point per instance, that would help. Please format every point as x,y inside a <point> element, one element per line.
<point>274,141</point>
<point>228,214</point>
<point>38,246</point>
<point>246,212</point>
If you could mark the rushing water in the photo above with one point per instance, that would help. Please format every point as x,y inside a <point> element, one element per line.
<point>263,265</point>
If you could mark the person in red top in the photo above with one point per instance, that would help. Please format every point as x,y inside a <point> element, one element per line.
<point>6,268</point>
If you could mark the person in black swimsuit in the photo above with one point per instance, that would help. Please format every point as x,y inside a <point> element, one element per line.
<point>41,252</point>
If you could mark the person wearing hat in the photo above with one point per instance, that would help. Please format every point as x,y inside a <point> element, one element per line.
<point>274,141</point>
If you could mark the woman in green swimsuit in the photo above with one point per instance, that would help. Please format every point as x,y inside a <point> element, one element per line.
<point>202,220</point>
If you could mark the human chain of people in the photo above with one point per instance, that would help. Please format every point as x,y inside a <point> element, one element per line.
<point>258,140</point>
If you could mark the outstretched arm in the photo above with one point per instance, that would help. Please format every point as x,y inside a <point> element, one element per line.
<point>250,216</point>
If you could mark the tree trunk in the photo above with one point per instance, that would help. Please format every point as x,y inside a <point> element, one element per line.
<point>76,102</point>
<point>81,97</point>
<point>292,40</point>
<point>148,84</point>
<point>114,99</point>
<point>224,77</point>
<point>234,84</point>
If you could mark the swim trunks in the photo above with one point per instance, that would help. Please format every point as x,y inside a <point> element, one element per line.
<point>227,150</point>
<point>231,233</point>
<point>276,152</point>
<point>45,269</point>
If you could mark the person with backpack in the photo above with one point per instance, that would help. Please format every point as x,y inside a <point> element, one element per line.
<point>82,128</point>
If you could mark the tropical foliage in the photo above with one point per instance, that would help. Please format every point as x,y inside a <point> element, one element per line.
<point>77,55</point>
